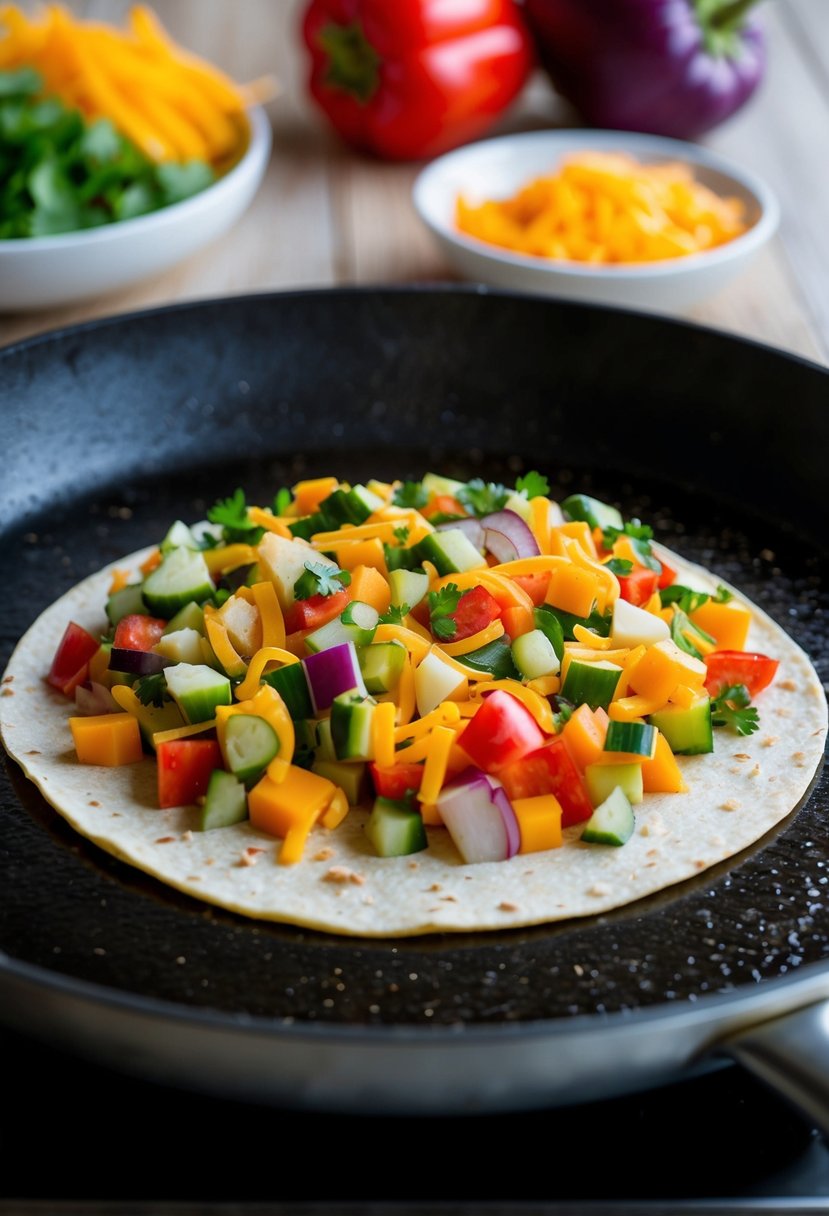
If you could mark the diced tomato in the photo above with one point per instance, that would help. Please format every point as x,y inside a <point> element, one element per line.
<point>727,667</point>
<point>638,586</point>
<point>549,770</point>
<point>184,768</point>
<point>476,609</point>
<point>535,586</point>
<point>443,504</point>
<point>316,611</point>
<point>501,732</point>
<point>138,632</point>
<point>70,666</point>
<point>668,574</point>
<point>395,781</point>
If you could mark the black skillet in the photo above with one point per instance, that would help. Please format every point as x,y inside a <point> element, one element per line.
<point>115,428</point>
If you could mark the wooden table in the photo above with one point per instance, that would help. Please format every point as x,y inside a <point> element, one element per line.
<point>325,216</point>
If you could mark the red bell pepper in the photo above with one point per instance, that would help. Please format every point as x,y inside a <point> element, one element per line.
<point>138,632</point>
<point>184,768</point>
<point>501,732</point>
<point>395,781</point>
<point>316,611</point>
<point>550,770</point>
<point>729,667</point>
<point>638,586</point>
<point>70,666</point>
<point>476,609</point>
<point>407,79</point>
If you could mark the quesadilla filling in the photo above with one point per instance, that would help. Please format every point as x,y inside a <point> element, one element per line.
<point>457,656</point>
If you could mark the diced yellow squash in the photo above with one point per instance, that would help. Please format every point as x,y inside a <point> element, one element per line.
<point>662,775</point>
<point>369,586</point>
<point>362,553</point>
<point>107,739</point>
<point>290,808</point>
<point>662,668</point>
<point>577,530</point>
<point>584,735</point>
<point>539,822</point>
<point>573,589</point>
<point>727,623</point>
<point>309,494</point>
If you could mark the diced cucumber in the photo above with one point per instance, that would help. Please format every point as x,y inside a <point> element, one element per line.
<point>291,683</point>
<point>191,616</point>
<point>349,775</point>
<point>382,665</point>
<point>591,683</point>
<point>250,745</point>
<point>179,536</point>
<point>395,829</point>
<point>688,731</point>
<point>596,622</point>
<point>451,552</point>
<point>408,587</point>
<point>351,717</point>
<point>435,680</point>
<point>182,576</point>
<point>401,559</point>
<point>304,529</point>
<point>345,507</point>
<point>495,659</point>
<point>547,621</point>
<point>225,802</point>
<point>633,738</point>
<point>632,626</point>
<point>325,743</point>
<point>371,501</point>
<point>597,514</point>
<point>602,779</point>
<point>197,689</point>
<point>612,821</point>
<point>155,718</point>
<point>357,624</point>
<point>435,485</point>
<point>534,655</point>
<point>129,601</point>
<point>181,646</point>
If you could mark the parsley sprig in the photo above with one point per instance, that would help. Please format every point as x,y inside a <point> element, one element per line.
<point>410,494</point>
<point>688,600</point>
<point>442,604</point>
<point>533,485</point>
<point>318,579</point>
<point>232,515</point>
<point>640,536</point>
<point>395,615</point>
<point>732,708</point>
<point>483,497</point>
<point>152,690</point>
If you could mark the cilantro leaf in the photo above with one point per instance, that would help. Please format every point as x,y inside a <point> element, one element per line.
<point>282,500</point>
<point>723,595</point>
<point>733,708</point>
<point>232,514</point>
<point>619,566</point>
<point>401,535</point>
<point>684,597</point>
<point>563,711</point>
<point>395,614</point>
<point>320,580</point>
<point>410,494</point>
<point>441,606</point>
<point>533,484</point>
<point>633,528</point>
<point>152,690</point>
<point>483,497</point>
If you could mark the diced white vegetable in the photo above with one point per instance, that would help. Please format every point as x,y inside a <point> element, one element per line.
<point>633,626</point>
<point>283,562</point>
<point>182,646</point>
<point>436,681</point>
<point>244,628</point>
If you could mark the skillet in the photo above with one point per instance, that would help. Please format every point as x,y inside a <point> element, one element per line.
<point>114,428</point>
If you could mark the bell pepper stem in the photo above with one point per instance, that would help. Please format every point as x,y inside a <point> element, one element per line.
<point>352,61</point>
<point>730,14</point>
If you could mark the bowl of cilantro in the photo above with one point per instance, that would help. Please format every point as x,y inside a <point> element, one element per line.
<point>84,212</point>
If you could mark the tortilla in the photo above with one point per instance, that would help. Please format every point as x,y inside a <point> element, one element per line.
<point>735,795</point>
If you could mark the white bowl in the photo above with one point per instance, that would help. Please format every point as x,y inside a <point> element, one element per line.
<point>497,168</point>
<point>41,272</point>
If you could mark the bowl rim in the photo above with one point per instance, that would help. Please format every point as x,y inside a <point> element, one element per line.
<point>635,141</point>
<point>251,162</point>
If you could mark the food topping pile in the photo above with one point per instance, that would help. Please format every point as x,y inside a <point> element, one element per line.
<point>603,207</point>
<point>452,655</point>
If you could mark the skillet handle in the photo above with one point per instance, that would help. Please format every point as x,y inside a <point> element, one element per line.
<point>791,1054</point>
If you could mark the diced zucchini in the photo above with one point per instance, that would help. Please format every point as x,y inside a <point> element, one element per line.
<point>612,821</point>
<point>382,665</point>
<point>547,621</point>
<point>408,587</point>
<point>633,738</point>
<point>357,624</point>
<point>451,552</point>
<point>351,717</point>
<point>153,719</point>
<point>250,745</point>
<point>182,576</point>
<point>591,683</point>
<point>179,536</point>
<point>597,514</point>
<point>291,683</point>
<point>191,616</point>
<point>401,559</point>
<point>345,507</point>
<point>688,731</point>
<point>129,601</point>
<point>197,689</point>
<point>435,485</point>
<point>534,655</point>
<point>325,743</point>
<point>395,829</point>
<point>349,775</point>
<point>602,779</point>
<point>371,501</point>
<point>225,802</point>
<point>181,646</point>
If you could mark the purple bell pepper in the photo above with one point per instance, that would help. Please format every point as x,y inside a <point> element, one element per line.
<point>671,67</point>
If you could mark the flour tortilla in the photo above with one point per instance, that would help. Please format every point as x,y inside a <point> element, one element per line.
<point>734,796</point>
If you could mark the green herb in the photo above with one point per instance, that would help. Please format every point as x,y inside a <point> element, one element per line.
<point>619,566</point>
<point>232,514</point>
<point>441,606</point>
<point>401,535</point>
<point>732,708</point>
<point>282,501</point>
<point>395,614</point>
<point>533,485</point>
<point>152,690</point>
<point>320,580</point>
<point>563,711</point>
<point>410,494</point>
<point>723,595</point>
<point>685,598</point>
<point>633,528</point>
<point>483,497</point>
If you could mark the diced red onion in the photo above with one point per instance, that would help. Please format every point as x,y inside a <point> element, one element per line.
<point>137,662</point>
<point>507,537</point>
<point>472,528</point>
<point>479,817</point>
<point>92,699</point>
<point>331,672</point>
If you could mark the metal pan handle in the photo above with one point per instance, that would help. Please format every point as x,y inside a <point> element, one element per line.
<point>791,1054</point>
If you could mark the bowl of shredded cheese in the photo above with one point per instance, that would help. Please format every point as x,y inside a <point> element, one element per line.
<point>614,217</point>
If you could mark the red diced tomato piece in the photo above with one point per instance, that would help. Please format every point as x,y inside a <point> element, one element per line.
<point>727,667</point>
<point>501,732</point>
<point>535,586</point>
<point>138,632</point>
<point>316,611</point>
<point>668,575</point>
<point>550,770</point>
<point>476,609</point>
<point>184,768</point>
<point>395,781</point>
<point>638,586</point>
<point>70,666</point>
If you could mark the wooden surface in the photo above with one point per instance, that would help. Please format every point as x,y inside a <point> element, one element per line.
<point>326,216</point>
